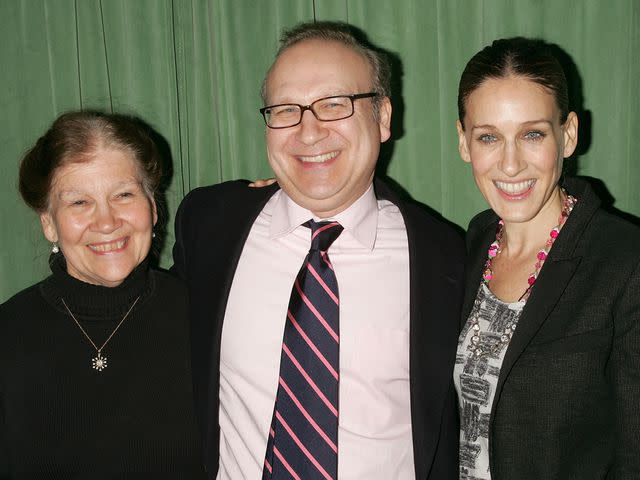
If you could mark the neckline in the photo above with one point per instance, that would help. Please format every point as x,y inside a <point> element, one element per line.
<point>360,218</point>
<point>495,248</point>
<point>517,305</point>
<point>94,302</point>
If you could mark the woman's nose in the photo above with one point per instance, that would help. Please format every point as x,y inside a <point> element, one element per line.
<point>512,162</point>
<point>106,219</point>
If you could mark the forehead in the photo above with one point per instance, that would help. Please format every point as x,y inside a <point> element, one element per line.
<point>104,165</point>
<point>314,68</point>
<point>512,97</point>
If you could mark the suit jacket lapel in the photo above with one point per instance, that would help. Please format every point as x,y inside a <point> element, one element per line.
<point>430,342</point>
<point>236,231</point>
<point>232,243</point>
<point>475,265</point>
<point>552,280</point>
<point>216,271</point>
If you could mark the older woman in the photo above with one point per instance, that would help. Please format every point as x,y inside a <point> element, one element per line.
<point>94,360</point>
<point>548,365</point>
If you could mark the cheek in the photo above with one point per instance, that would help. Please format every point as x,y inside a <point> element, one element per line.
<point>70,228</point>
<point>142,218</point>
<point>364,146</point>
<point>483,178</point>
<point>550,159</point>
<point>275,141</point>
<point>481,164</point>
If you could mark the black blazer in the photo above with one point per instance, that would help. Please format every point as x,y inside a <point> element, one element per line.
<point>212,225</point>
<point>567,399</point>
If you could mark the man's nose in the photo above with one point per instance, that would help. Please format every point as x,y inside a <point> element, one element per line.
<point>311,130</point>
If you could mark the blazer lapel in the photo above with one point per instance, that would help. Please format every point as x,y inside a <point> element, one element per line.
<point>431,344</point>
<point>216,266</point>
<point>553,278</point>
<point>237,227</point>
<point>551,283</point>
<point>475,267</point>
<point>245,210</point>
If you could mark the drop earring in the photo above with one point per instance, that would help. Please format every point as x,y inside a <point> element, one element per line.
<point>54,248</point>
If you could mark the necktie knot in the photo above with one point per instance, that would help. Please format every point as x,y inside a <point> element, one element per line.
<point>323,234</point>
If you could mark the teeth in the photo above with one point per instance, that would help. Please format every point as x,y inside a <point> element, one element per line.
<point>515,188</point>
<point>319,158</point>
<point>108,247</point>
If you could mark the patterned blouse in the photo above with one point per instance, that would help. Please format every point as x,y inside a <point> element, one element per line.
<point>481,349</point>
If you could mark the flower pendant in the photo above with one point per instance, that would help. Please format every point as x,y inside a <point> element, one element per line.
<point>99,363</point>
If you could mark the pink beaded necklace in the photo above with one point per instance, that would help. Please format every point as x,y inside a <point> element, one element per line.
<point>495,249</point>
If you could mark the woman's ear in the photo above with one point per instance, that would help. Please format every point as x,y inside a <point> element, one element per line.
<point>154,212</point>
<point>49,227</point>
<point>463,148</point>
<point>570,134</point>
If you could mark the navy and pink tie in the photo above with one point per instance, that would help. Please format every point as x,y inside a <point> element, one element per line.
<point>303,438</point>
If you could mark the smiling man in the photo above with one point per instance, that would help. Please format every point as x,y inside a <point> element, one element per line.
<point>324,308</point>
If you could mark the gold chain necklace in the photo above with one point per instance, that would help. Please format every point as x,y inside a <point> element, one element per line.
<point>99,362</point>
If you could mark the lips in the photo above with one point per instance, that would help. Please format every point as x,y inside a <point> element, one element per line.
<point>514,189</point>
<point>103,248</point>
<point>322,158</point>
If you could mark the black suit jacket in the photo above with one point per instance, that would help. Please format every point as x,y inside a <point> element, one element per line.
<point>212,225</point>
<point>567,399</point>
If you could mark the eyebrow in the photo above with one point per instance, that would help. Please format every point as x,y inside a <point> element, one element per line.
<point>64,193</point>
<point>335,94</point>
<point>529,122</point>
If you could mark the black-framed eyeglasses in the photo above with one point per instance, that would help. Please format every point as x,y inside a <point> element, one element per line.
<point>327,109</point>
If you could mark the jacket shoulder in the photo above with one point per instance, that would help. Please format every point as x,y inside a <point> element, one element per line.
<point>422,222</point>
<point>482,220</point>
<point>613,235</point>
<point>203,197</point>
<point>438,229</point>
<point>224,197</point>
<point>478,225</point>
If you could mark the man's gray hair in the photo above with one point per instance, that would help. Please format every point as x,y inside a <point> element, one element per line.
<point>348,36</point>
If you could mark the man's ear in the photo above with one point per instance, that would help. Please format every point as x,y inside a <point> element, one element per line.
<point>463,148</point>
<point>48,227</point>
<point>384,115</point>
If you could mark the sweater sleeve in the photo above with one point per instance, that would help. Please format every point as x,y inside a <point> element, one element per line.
<point>4,441</point>
<point>4,456</point>
<point>625,373</point>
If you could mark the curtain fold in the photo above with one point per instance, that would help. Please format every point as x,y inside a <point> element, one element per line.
<point>192,69</point>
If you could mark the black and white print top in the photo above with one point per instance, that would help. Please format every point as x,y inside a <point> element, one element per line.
<point>481,349</point>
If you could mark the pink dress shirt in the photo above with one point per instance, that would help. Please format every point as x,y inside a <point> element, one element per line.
<point>371,261</point>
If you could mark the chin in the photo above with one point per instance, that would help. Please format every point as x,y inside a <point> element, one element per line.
<point>515,209</point>
<point>116,276</point>
<point>317,199</point>
<point>516,215</point>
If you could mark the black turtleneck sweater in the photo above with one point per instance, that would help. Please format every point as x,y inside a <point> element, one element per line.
<point>60,417</point>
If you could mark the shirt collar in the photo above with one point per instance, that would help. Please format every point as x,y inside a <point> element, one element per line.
<point>360,219</point>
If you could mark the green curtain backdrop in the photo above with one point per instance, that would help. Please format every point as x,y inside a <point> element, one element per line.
<point>193,68</point>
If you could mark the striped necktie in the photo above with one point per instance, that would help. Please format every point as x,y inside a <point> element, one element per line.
<point>303,438</point>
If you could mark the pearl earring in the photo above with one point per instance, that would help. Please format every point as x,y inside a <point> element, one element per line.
<point>54,248</point>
